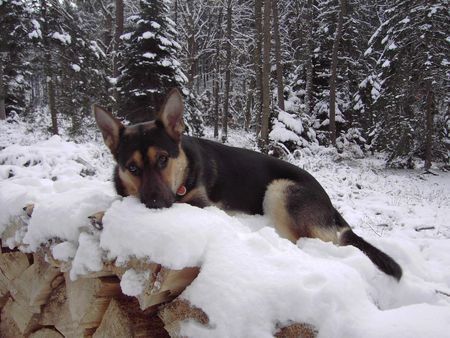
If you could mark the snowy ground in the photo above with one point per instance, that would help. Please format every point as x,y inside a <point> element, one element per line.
<point>251,280</point>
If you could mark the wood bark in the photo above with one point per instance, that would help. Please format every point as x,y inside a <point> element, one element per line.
<point>429,126</point>
<point>2,90</point>
<point>279,63</point>
<point>227,72</point>
<point>258,64</point>
<point>309,58</point>
<point>217,75</point>
<point>48,69</point>
<point>266,79</point>
<point>118,32</point>
<point>333,76</point>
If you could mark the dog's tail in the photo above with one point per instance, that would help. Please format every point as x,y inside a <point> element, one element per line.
<point>379,258</point>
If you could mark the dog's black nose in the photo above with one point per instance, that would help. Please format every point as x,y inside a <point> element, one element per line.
<point>154,203</point>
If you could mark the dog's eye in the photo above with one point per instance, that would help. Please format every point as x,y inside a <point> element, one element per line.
<point>162,161</point>
<point>133,169</point>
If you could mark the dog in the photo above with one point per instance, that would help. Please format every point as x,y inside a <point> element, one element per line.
<point>160,166</point>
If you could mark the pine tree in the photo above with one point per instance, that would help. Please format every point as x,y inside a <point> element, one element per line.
<point>149,65</point>
<point>14,44</point>
<point>411,51</point>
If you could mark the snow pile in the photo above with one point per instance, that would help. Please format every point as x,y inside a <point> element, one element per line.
<point>251,281</point>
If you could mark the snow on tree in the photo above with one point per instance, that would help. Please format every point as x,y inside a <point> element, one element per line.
<point>14,46</point>
<point>411,50</point>
<point>149,64</point>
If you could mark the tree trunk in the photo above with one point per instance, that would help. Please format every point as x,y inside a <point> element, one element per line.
<point>118,31</point>
<point>429,127</point>
<point>258,64</point>
<point>248,106</point>
<point>309,58</point>
<point>48,69</point>
<point>227,72</point>
<point>266,79</point>
<point>2,91</point>
<point>192,50</point>
<point>334,60</point>
<point>279,64</point>
<point>176,11</point>
<point>216,75</point>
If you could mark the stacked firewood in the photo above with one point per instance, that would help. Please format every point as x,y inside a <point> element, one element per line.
<point>38,299</point>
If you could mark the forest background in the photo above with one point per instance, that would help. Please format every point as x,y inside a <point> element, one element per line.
<point>371,76</point>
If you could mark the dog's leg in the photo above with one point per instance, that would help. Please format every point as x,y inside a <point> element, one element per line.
<point>299,211</point>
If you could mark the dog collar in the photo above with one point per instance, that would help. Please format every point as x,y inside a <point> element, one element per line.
<point>181,191</point>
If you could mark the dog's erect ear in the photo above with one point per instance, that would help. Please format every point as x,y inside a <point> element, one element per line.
<point>171,114</point>
<point>109,126</point>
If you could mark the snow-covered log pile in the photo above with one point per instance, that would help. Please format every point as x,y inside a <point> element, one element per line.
<point>38,298</point>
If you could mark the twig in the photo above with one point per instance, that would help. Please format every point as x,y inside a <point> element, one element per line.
<point>424,228</point>
<point>442,293</point>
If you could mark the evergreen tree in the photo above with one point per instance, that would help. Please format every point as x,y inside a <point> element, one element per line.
<point>411,51</point>
<point>14,46</point>
<point>150,67</point>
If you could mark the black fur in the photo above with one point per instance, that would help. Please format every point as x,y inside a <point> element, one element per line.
<point>384,262</point>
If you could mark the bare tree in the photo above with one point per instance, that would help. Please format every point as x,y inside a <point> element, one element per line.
<point>48,68</point>
<point>278,61</point>
<point>309,57</point>
<point>2,89</point>
<point>333,76</point>
<point>258,63</point>
<point>429,111</point>
<point>227,71</point>
<point>217,75</point>
<point>266,78</point>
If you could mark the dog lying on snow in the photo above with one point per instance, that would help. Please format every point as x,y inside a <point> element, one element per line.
<point>161,166</point>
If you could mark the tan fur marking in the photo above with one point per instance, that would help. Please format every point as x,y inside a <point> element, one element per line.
<point>130,182</point>
<point>175,172</point>
<point>137,159</point>
<point>326,235</point>
<point>197,193</point>
<point>152,154</point>
<point>275,207</point>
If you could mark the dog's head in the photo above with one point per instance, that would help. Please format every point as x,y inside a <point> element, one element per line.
<point>151,164</point>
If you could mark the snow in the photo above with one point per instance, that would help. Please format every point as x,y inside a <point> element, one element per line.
<point>148,35</point>
<point>63,37</point>
<point>133,282</point>
<point>386,63</point>
<point>149,55</point>
<point>75,67</point>
<point>36,32</point>
<point>251,280</point>
<point>155,25</point>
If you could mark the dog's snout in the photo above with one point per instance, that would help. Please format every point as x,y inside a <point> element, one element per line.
<point>156,203</point>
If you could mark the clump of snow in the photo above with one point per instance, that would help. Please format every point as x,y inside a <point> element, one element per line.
<point>75,67</point>
<point>88,258</point>
<point>133,282</point>
<point>149,55</point>
<point>63,37</point>
<point>64,251</point>
<point>148,35</point>
<point>155,25</point>
<point>36,32</point>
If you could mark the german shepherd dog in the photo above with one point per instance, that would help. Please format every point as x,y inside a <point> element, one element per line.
<point>159,165</point>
